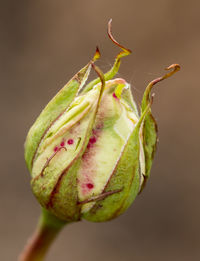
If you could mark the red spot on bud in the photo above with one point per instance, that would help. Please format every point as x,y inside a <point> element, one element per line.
<point>90,185</point>
<point>56,149</point>
<point>92,140</point>
<point>62,144</point>
<point>88,146</point>
<point>114,95</point>
<point>70,141</point>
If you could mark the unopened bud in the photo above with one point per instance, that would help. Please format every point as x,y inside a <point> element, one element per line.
<point>90,152</point>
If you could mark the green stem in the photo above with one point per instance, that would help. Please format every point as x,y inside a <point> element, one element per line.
<point>48,228</point>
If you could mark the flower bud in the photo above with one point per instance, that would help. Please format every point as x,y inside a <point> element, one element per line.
<point>90,152</point>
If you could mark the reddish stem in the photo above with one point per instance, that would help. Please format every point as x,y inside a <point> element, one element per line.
<point>41,240</point>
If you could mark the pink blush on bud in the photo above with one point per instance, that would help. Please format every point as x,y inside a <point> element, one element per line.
<point>88,146</point>
<point>92,140</point>
<point>70,141</point>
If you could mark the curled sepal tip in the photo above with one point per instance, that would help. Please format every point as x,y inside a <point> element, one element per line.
<point>174,67</point>
<point>115,68</point>
<point>124,51</point>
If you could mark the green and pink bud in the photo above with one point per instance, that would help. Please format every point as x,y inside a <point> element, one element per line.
<point>90,151</point>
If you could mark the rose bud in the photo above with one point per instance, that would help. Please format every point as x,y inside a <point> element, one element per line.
<point>90,152</point>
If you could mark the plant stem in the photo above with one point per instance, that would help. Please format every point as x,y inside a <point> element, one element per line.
<point>48,228</point>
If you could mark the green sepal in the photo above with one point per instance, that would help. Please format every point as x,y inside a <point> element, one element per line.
<point>149,134</point>
<point>150,126</point>
<point>56,186</point>
<point>51,112</point>
<point>125,179</point>
<point>64,201</point>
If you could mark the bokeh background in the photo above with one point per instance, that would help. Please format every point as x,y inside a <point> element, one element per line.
<point>43,44</point>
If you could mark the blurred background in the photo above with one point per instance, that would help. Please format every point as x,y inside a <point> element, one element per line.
<point>43,44</point>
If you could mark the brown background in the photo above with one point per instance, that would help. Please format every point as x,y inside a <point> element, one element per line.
<point>43,43</point>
